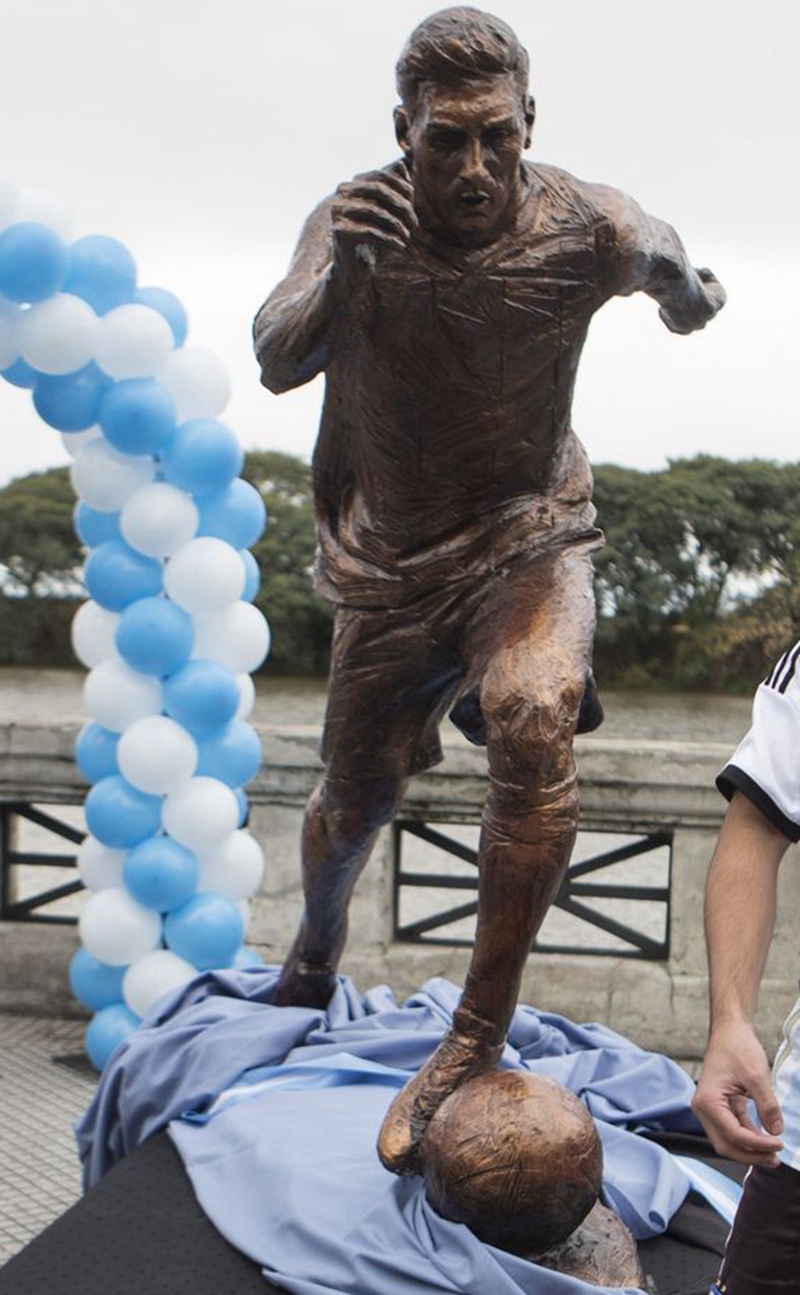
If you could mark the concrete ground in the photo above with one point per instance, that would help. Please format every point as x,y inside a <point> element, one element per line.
<point>45,1085</point>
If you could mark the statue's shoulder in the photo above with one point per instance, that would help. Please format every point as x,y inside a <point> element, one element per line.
<point>568,193</point>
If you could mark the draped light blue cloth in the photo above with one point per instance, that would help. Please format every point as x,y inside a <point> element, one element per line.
<point>275,1113</point>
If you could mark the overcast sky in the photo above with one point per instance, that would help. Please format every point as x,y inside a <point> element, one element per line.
<point>201,135</point>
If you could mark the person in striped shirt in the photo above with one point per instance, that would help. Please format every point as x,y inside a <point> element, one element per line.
<point>762,783</point>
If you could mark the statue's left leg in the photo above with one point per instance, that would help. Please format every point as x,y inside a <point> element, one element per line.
<point>532,648</point>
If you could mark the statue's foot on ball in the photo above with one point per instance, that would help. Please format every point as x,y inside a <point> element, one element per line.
<point>303,985</point>
<point>458,1058</point>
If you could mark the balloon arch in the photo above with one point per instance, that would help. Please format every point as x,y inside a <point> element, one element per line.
<point>169,634</point>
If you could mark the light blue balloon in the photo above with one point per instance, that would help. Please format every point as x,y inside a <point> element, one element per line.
<point>244,807</point>
<point>138,416</point>
<point>107,1029</point>
<point>116,575</point>
<point>33,261</point>
<point>120,815</point>
<point>203,457</point>
<point>155,636</point>
<point>101,271</point>
<point>20,374</point>
<point>168,305</point>
<point>246,957</point>
<point>93,527</point>
<point>233,755</point>
<point>203,696</point>
<point>70,403</point>
<point>96,752</point>
<point>252,582</point>
<point>94,983</point>
<point>160,873</point>
<point>236,514</point>
<point>207,931</point>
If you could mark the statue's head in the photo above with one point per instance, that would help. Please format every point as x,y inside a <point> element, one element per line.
<point>464,119</point>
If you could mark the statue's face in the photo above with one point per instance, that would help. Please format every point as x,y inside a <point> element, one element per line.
<point>464,144</point>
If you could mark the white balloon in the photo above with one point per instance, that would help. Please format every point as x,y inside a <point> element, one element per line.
<point>152,976</point>
<point>159,519</point>
<point>116,929</point>
<point>201,814</point>
<point>247,695</point>
<point>10,316</point>
<point>234,868</point>
<point>9,201</point>
<point>198,382</point>
<point>58,335</point>
<point>105,479</point>
<point>46,208</point>
<point>94,631</point>
<point>205,576</point>
<point>74,441</point>
<point>99,867</point>
<point>237,637</point>
<point>133,341</point>
<point>157,755</point>
<point>115,695</point>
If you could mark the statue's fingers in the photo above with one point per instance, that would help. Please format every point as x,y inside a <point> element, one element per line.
<point>369,217</point>
<point>378,197</point>
<point>353,232</point>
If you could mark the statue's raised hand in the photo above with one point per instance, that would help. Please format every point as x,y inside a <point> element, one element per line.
<point>370,214</point>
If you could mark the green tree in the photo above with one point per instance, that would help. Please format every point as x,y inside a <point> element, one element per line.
<point>739,521</point>
<point>39,551</point>
<point>300,621</point>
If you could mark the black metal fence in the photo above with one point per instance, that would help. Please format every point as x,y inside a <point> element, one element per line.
<point>36,903</point>
<point>610,909</point>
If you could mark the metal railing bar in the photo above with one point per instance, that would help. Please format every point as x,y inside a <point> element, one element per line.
<point>439,919</point>
<point>437,881</point>
<point>45,897</point>
<point>608,857</point>
<point>586,950</point>
<point>42,919</point>
<point>611,927</point>
<point>446,843</point>
<point>30,858</point>
<point>47,821</point>
<point>599,891</point>
<point>580,950</point>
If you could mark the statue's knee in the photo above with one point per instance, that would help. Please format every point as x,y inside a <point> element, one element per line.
<point>349,811</point>
<point>532,736</point>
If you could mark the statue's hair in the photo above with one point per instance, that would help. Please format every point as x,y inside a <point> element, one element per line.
<point>459,44</point>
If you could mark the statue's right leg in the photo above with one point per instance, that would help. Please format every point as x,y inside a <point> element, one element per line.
<point>387,689</point>
<point>343,818</point>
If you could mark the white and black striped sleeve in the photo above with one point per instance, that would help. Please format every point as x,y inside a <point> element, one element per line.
<point>765,766</point>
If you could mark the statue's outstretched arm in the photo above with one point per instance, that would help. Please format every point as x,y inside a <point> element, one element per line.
<point>648,256</point>
<point>292,329</point>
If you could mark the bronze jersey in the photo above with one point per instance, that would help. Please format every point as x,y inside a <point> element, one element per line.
<point>446,423</point>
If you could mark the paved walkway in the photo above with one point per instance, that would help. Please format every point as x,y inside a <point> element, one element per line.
<point>45,1084</point>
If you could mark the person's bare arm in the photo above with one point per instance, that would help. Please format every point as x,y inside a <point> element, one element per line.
<point>740,916</point>
<point>648,256</point>
<point>340,243</point>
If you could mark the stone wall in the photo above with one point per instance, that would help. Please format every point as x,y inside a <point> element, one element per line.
<point>625,788</point>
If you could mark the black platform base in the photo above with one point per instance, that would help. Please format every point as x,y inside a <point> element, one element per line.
<point>141,1232</point>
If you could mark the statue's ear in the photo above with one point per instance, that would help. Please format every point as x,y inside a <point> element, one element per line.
<point>401,130</point>
<point>530,117</point>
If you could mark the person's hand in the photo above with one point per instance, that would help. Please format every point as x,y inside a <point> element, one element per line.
<point>371,213</point>
<point>713,299</point>
<point>735,1069</point>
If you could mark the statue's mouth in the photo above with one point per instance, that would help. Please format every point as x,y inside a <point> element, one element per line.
<point>474,203</point>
